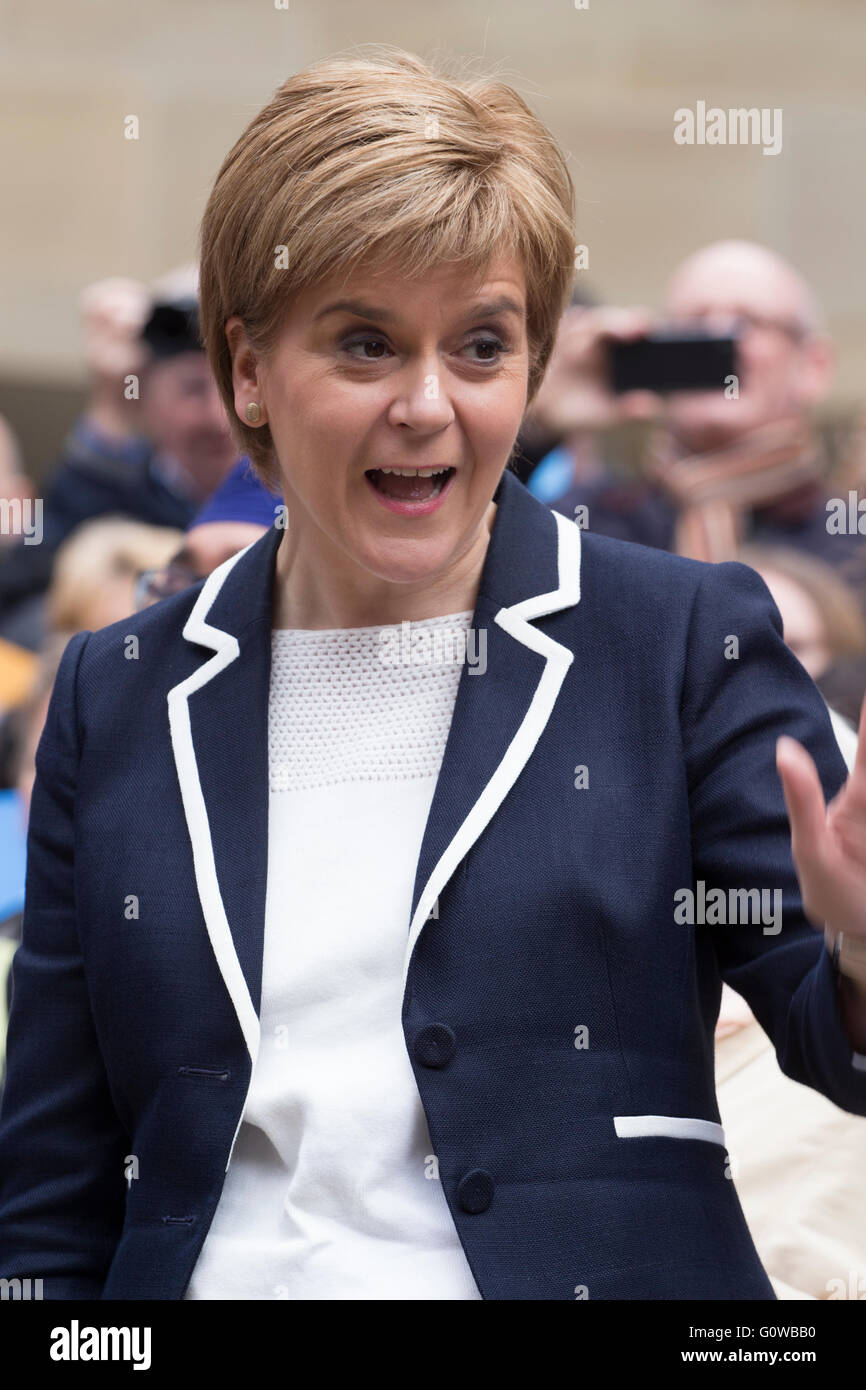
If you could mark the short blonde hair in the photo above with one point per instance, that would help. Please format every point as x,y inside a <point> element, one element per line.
<point>99,553</point>
<point>377,160</point>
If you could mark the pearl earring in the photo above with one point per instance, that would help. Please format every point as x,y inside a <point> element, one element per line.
<point>253,412</point>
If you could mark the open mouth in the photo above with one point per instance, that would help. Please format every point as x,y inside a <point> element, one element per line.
<point>410,484</point>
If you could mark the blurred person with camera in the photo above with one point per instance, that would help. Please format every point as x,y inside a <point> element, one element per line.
<point>722,466</point>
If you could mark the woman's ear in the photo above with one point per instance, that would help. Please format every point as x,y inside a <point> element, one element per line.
<point>245,380</point>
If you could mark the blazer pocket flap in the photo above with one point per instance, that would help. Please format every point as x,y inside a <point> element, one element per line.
<point>668,1127</point>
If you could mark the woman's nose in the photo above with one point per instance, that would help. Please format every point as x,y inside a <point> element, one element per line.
<point>421,400</point>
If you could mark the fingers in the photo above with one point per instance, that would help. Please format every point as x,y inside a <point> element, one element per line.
<point>859,768</point>
<point>623,324</point>
<point>583,329</point>
<point>639,405</point>
<point>828,843</point>
<point>804,797</point>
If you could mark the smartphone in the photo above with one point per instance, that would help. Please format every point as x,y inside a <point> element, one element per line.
<point>673,360</point>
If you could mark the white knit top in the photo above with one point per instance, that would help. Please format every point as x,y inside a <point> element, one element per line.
<point>333,1189</point>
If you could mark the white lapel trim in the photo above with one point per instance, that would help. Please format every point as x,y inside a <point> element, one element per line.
<point>516,622</point>
<point>226,650</point>
<point>668,1127</point>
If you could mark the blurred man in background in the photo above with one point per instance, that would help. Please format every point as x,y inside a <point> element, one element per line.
<point>152,444</point>
<point>720,468</point>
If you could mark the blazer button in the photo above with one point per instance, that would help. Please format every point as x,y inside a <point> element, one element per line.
<point>435,1045</point>
<point>475,1191</point>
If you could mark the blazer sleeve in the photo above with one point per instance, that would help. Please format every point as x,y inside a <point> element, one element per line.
<point>743,688</point>
<point>62,1147</point>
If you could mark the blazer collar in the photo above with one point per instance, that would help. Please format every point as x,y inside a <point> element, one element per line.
<point>531,560</point>
<point>218,719</point>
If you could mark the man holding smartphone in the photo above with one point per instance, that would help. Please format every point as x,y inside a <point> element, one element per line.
<point>734,460</point>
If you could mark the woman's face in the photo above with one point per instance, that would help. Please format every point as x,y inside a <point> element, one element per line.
<point>393,404</point>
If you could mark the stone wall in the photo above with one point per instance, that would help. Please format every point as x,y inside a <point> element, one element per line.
<point>81,202</point>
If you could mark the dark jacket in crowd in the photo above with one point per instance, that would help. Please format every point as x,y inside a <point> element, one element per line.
<point>635,510</point>
<point>93,477</point>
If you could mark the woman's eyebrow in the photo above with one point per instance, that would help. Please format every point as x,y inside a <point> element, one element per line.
<point>504,304</point>
<point>356,307</point>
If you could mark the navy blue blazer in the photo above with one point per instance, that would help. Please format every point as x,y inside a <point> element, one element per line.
<point>558,1016</point>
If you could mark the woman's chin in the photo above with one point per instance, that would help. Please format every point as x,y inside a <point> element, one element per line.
<point>406,561</point>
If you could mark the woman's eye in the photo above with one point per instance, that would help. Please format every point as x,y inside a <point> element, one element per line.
<point>358,348</point>
<point>483,350</point>
<point>489,349</point>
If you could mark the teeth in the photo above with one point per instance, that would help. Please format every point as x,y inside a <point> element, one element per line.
<point>414,472</point>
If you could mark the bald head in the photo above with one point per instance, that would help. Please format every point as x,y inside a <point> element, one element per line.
<point>784,359</point>
<point>742,277</point>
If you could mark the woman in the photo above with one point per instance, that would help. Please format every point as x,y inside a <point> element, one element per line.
<point>349,969</point>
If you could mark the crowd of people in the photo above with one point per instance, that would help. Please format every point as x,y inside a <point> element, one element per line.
<point>149,496</point>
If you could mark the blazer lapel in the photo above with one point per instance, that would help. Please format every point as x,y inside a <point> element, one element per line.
<point>218,717</point>
<point>532,568</point>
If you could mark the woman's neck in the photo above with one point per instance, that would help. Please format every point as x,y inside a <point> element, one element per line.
<point>310,592</point>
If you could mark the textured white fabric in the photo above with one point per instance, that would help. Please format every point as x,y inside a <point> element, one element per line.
<point>332,1191</point>
<point>346,708</point>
